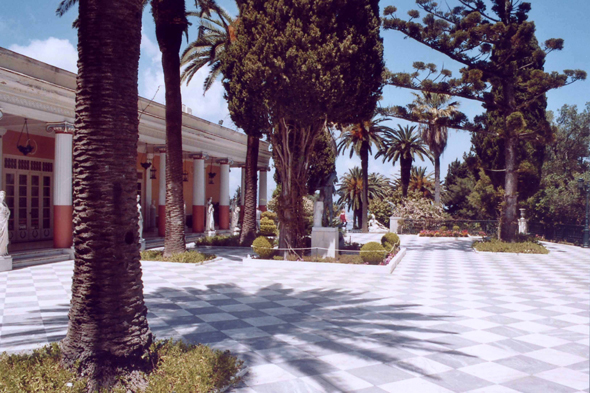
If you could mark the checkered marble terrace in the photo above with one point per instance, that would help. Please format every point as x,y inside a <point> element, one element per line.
<point>447,320</point>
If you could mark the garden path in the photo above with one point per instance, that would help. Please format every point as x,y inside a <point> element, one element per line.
<point>447,320</point>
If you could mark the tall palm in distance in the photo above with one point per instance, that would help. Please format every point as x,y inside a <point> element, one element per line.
<point>434,109</point>
<point>171,23</point>
<point>360,138</point>
<point>403,144</point>
<point>216,33</point>
<point>351,188</point>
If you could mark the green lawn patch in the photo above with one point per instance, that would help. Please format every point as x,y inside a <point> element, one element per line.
<point>344,258</point>
<point>184,257</point>
<point>180,368</point>
<point>526,247</point>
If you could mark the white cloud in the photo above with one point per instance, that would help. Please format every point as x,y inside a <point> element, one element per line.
<point>211,107</point>
<point>53,51</point>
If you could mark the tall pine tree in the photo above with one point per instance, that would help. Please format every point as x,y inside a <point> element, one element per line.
<point>502,69</point>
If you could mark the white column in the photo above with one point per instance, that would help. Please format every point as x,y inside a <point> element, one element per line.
<point>162,196</point>
<point>262,190</point>
<point>2,133</point>
<point>198,182</point>
<point>224,185</point>
<point>62,181</point>
<point>62,189</point>
<point>199,194</point>
<point>224,196</point>
<point>148,193</point>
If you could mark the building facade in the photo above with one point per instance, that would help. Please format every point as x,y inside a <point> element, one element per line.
<point>37,111</point>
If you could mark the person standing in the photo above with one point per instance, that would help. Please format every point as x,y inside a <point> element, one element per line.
<point>343,221</point>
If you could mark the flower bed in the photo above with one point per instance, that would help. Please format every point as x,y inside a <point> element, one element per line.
<point>444,233</point>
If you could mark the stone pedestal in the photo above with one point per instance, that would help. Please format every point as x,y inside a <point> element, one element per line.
<point>142,245</point>
<point>210,233</point>
<point>326,239</point>
<point>393,224</point>
<point>5,263</point>
<point>236,231</point>
<point>522,226</point>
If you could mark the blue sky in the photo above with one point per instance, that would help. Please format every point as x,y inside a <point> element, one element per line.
<point>31,27</point>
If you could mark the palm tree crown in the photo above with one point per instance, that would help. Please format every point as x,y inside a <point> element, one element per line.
<point>403,143</point>
<point>215,34</point>
<point>434,110</point>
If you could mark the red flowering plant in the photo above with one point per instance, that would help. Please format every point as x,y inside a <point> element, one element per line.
<point>444,233</point>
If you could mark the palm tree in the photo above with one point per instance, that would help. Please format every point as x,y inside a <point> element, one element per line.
<point>403,144</point>
<point>434,110</point>
<point>359,138</point>
<point>108,333</point>
<point>171,24</point>
<point>421,182</point>
<point>215,36</point>
<point>351,188</point>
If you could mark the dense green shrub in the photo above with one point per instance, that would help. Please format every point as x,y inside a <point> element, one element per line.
<point>270,215</point>
<point>263,247</point>
<point>390,240</point>
<point>443,228</point>
<point>456,228</point>
<point>373,253</point>
<point>184,257</point>
<point>267,227</point>
<point>180,367</point>
<point>219,240</point>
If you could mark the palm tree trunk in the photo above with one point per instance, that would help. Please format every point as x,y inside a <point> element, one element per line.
<point>437,179</point>
<point>169,32</point>
<point>365,192</point>
<point>248,233</point>
<point>108,330</point>
<point>405,171</point>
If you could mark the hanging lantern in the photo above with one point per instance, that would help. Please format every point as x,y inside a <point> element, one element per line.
<point>211,173</point>
<point>28,147</point>
<point>146,164</point>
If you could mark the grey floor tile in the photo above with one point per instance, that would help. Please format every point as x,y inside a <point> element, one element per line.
<point>457,381</point>
<point>536,385</point>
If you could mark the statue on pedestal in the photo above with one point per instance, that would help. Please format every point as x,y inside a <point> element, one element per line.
<point>327,191</point>
<point>235,216</point>
<point>210,221</point>
<point>4,216</point>
<point>140,218</point>
<point>376,226</point>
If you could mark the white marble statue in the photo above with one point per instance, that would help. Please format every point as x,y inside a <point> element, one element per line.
<point>139,218</point>
<point>235,216</point>
<point>376,226</point>
<point>4,216</point>
<point>210,222</point>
